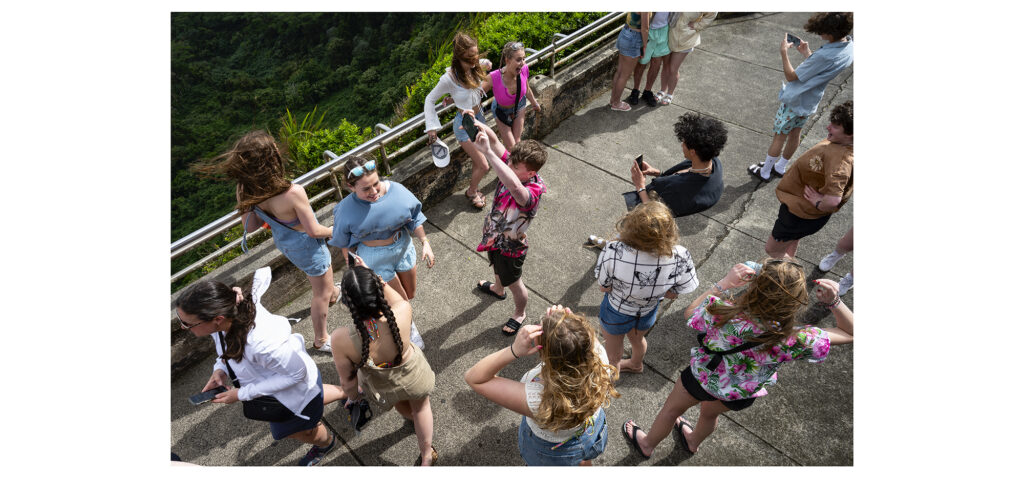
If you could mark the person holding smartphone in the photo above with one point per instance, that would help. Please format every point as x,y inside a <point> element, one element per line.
<point>259,349</point>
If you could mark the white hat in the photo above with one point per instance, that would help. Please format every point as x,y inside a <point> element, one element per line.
<point>440,152</point>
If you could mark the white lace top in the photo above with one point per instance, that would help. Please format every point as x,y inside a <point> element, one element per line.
<point>534,390</point>
<point>464,98</point>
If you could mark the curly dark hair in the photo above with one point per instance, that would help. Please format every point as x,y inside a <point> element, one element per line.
<point>703,134</point>
<point>842,115</point>
<point>835,24</point>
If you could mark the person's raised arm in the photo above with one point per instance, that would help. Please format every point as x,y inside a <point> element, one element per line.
<point>488,144</point>
<point>828,294</point>
<point>511,394</point>
<point>739,275</point>
<point>300,203</point>
<point>787,67</point>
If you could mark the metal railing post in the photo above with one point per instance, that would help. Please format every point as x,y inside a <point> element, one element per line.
<point>328,155</point>
<point>383,150</point>
<point>554,51</point>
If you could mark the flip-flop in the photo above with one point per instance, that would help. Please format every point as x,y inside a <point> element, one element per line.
<point>485,287</point>
<point>755,171</point>
<point>680,421</point>
<point>632,438</point>
<point>513,324</point>
<point>623,106</point>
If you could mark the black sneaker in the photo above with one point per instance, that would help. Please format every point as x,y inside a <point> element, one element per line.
<point>315,454</point>
<point>649,98</point>
<point>634,97</point>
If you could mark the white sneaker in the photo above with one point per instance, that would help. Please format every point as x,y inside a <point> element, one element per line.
<point>829,261</point>
<point>415,337</point>
<point>326,347</point>
<point>846,283</point>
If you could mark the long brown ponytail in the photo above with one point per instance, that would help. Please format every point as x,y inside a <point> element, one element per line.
<point>209,299</point>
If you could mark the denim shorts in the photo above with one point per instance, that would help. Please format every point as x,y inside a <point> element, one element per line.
<point>617,323</point>
<point>399,256</point>
<point>657,44</point>
<point>461,134</point>
<point>587,446</point>
<point>630,42</point>
<point>500,112</point>
<point>308,254</point>
<point>786,120</point>
<point>314,410</point>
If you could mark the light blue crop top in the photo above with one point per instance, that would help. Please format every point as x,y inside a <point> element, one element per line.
<point>356,220</point>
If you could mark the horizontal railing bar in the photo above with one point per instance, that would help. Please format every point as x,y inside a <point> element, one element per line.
<point>603,38</point>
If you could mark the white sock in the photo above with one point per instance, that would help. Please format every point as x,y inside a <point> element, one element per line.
<point>769,161</point>
<point>780,165</point>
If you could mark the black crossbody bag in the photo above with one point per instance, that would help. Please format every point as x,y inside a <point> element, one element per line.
<point>264,409</point>
<point>500,115</point>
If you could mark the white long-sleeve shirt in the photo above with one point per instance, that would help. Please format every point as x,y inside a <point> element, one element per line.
<point>464,98</point>
<point>274,362</point>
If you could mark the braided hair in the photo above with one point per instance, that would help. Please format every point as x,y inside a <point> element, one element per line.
<point>209,299</point>
<point>363,293</point>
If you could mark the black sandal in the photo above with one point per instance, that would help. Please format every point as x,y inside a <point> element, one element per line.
<point>486,289</point>
<point>755,171</point>
<point>512,324</point>
<point>632,438</point>
<point>679,428</point>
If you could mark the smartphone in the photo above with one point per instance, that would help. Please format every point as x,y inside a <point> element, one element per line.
<point>351,259</point>
<point>206,396</point>
<point>471,129</point>
<point>792,39</point>
<point>640,162</point>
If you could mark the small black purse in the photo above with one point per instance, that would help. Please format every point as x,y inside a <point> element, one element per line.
<point>264,409</point>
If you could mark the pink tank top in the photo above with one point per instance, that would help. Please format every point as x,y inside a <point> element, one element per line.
<point>502,95</point>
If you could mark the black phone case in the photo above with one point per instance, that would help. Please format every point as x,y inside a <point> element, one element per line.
<point>471,129</point>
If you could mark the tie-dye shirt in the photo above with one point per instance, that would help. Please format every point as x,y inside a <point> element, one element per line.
<point>745,374</point>
<point>505,226</point>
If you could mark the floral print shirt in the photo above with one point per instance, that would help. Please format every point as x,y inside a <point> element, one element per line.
<point>745,374</point>
<point>505,227</point>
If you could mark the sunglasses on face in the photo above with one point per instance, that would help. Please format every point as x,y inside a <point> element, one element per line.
<point>182,322</point>
<point>359,171</point>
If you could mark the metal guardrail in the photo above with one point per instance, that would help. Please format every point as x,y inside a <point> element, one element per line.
<point>559,42</point>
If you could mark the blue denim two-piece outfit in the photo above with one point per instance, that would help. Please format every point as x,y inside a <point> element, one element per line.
<point>308,254</point>
<point>587,444</point>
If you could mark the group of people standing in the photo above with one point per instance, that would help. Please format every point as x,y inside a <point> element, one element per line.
<point>743,338</point>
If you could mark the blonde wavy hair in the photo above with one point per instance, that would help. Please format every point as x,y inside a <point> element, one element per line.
<point>576,381</point>
<point>649,227</point>
<point>773,301</point>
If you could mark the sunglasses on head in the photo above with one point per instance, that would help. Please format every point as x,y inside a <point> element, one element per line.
<point>359,171</point>
<point>516,45</point>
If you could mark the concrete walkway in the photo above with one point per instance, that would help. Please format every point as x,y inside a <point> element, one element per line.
<point>806,419</point>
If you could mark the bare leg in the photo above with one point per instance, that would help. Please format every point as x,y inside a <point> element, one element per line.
<point>408,280</point>
<point>652,74</point>
<point>792,142</point>
<point>519,296</point>
<point>776,148</point>
<point>333,393</point>
<point>318,436</point>
<point>622,72</point>
<point>404,409</point>
<point>638,341</point>
<point>706,424</point>
<point>323,289</point>
<point>517,126</point>
<point>678,402</point>
<point>670,74</point>
<point>480,167</point>
<point>396,284</point>
<point>508,138</point>
<point>638,74</point>
<point>777,249</point>
<point>845,243</point>
<point>423,421</point>
<point>613,346</point>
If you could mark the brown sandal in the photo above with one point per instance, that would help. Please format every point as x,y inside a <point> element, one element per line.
<point>477,199</point>
<point>433,457</point>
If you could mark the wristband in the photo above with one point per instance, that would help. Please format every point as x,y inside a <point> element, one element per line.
<point>834,303</point>
<point>638,191</point>
<point>817,204</point>
<point>720,289</point>
<point>512,350</point>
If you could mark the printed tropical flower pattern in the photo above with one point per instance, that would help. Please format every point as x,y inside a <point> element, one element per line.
<point>745,374</point>
<point>505,226</point>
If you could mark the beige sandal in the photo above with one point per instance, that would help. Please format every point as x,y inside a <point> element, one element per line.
<point>477,199</point>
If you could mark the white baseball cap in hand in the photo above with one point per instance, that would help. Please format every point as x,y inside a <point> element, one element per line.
<point>440,152</point>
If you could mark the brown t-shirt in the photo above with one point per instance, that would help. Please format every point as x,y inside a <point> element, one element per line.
<point>828,168</point>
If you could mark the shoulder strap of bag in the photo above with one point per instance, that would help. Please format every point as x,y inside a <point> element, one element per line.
<point>234,379</point>
<point>717,356</point>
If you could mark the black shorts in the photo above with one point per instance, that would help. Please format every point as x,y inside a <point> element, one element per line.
<point>508,269</point>
<point>790,227</point>
<point>694,388</point>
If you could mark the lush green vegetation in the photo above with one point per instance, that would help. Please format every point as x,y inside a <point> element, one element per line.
<point>317,80</point>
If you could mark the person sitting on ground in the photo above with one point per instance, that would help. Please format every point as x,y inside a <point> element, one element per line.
<point>635,273</point>
<point>805,86</point>
<point>515,205</point>
<point>375,358</point>
<point>263,358</point>
<point>562,399</point>
<point>742,343</point>
<point>815,186</point>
